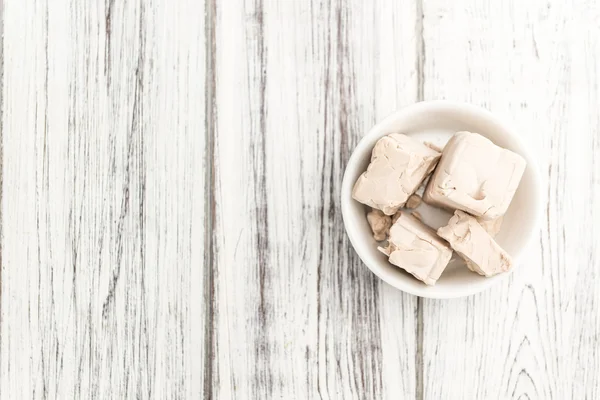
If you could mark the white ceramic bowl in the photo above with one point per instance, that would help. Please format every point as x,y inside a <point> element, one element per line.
<point>436,122</point>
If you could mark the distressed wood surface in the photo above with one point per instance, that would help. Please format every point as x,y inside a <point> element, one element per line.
<point>535,335</point>
<point>296,314</point>
<point>102,199</point>
<point>170,219</point>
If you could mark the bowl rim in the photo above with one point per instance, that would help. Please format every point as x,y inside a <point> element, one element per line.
<point>346,195</point>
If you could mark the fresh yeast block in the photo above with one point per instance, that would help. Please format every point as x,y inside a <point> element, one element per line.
<point>475,245</point>
<point>398,166</point>
<point>476,176</point>
<point>415,247</point>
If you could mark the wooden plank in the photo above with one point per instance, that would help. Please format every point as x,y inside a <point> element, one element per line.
<point>296,314</point>
<point>535,335</point>
<point>102,199</point>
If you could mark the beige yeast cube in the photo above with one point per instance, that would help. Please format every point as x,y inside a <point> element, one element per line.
<point>476,176</point>
<point>415,247</point>
<point>398,166</point>
<point>471,241</point>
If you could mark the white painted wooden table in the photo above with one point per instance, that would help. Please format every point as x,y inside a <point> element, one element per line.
<point>170,214</point>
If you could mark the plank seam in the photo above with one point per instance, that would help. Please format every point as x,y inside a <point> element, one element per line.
<point>419,351</point>
<point>420,59</point>
<point>420,67</point>
<point>209,185</point>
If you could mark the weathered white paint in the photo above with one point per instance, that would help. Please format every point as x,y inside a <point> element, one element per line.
<point>170,223</point>
<point>296,313</point>
<point>102,199</point>
<point>536,335</point>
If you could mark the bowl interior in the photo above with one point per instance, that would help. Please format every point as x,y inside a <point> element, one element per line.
<point>436,122</point>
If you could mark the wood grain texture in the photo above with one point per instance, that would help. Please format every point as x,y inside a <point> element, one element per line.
<point>102,199</point>
<point>535,335</point>
<point>296,313</point>
<point>170,222</point>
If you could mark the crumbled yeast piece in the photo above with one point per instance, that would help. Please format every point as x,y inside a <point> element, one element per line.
<point>413,201</point>
<point>380,224</point>
<point>415,214</point>
<point>398,166</point>
<point>414,247</point>
<point>479,250</point>
<point>476,176</point>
